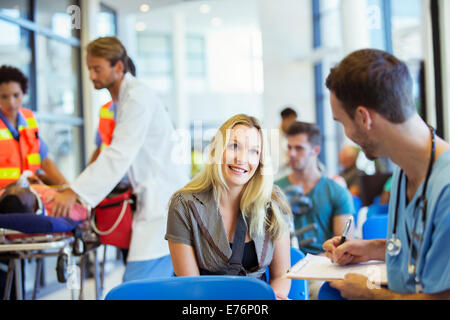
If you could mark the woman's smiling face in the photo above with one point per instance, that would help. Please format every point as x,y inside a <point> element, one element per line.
<point>241,155</point>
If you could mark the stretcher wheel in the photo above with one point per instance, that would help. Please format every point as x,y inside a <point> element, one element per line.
<point>61,268</point>
<point>79,247</point>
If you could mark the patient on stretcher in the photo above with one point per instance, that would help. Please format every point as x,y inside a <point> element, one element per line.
<point>35,199</point>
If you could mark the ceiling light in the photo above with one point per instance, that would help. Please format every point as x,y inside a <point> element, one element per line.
<point>141,26</point>
<point>144,7</point>
<point>205,9</point>
<point>216,22</point>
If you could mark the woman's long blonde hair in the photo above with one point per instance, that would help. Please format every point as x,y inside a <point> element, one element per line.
<point>259,193</point>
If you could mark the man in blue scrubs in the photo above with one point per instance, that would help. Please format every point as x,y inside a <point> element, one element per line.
<point>371,95</point>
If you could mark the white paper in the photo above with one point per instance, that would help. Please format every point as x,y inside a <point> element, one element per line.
<point>321,268</point>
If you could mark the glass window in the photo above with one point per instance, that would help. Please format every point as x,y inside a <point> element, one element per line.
<point>407,40</point>
<point>15,8</point>
<point>106,22</point>
<point>376,25</point>
<point>15,51</point>
<point>154,61</point>
<point>58,77</point>
<point>53,15</point>
<point>195,56</point>
<point>327,23</point>
<point>63,141</point>
<point>407,29</point>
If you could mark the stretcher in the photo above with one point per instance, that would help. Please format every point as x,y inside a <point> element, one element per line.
<point>27,236</point>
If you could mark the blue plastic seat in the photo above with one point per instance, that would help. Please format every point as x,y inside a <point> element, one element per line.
<point>375,227</point>
<point>357,204</point>
<point>194,288</point>
<point>328,293</point>
<point>377,209</point>
<point>299,288</point>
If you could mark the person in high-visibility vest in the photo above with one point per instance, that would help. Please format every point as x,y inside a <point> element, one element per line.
<point>21,147</point>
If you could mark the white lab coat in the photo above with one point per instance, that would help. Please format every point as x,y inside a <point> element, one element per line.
<point>142,148</point>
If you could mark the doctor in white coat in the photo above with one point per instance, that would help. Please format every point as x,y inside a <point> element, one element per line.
<point>142,148</point>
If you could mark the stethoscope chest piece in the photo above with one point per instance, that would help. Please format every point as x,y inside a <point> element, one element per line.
<point>394,246</point>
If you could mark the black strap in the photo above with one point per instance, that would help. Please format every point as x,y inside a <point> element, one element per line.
<point>240,232</point>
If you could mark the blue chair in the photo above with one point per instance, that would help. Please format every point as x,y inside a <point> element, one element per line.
<point>377,209</point>
<point>357,204</point>
<point>328,293</point>
<point>299,288</point>
<point>194,288</point>
<point>375,227</point>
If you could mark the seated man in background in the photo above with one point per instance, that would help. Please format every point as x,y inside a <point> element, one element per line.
<point>347,160</point>
<point>279,146</point>
<point>330,206</point>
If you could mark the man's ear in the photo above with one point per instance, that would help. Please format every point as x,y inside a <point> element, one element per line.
<point>317,150</point>
<point>364,117</point>
<point>119,68</point>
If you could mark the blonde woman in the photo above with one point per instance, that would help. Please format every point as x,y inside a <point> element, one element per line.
<point>204,214</point>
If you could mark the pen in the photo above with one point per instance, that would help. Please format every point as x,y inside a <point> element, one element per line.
<point>346,229</point>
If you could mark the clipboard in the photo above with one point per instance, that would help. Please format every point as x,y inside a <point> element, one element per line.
<point>314,267</point>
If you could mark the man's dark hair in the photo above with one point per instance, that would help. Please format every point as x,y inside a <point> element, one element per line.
<point>12,74</point>
<point>287,112</point>
<point>131,67</point>
<point>310,129</point>
<point>374,79</point>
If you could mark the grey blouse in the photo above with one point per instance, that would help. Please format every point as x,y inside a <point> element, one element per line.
<point>206,231</point>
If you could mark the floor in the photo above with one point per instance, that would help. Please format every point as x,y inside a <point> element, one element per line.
<point>54,290</point>
<point>113,277</point>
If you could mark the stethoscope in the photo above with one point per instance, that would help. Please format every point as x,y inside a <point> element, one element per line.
<point>394,245</point>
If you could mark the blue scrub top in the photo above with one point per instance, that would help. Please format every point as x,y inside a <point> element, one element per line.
<point>434,263</point>
<point>21,121</point>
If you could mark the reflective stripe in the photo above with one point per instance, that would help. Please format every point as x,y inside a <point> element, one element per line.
<point>10,173</point>
<point>106,113</point>
<point>34,159</point>
<point>5,134</point>
<point>32,123</point>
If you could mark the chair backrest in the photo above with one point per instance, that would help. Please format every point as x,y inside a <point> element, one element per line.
<point>299,288</point>
<point>377,208</point>
<point>357,204</point>
<point>375,227</point>
<point>328,293</point>
<point>194,288</point>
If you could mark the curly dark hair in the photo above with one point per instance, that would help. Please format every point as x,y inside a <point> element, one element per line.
<point>12,74</point>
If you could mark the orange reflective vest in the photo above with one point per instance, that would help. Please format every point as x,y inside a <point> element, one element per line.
<point>106,124</point>
<point>18,156</point>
